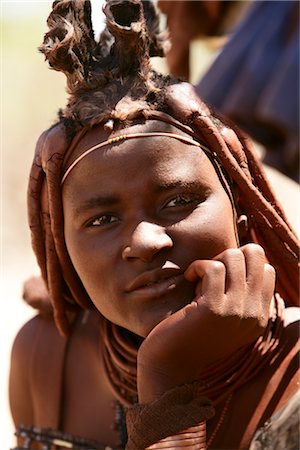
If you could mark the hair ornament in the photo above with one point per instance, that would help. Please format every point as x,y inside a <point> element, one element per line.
<point>109,125</point>
<point>106,77</point>
<point>124,137</point>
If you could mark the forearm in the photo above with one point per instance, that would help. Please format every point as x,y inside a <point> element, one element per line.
<point>193,438</point>
<point>175,420</point>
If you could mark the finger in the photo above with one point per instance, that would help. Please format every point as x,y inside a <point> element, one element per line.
<point>259,305</point>
<point>255,260</point>
<point>234,261</point>
<point>212,275</point>
<point>195,271</point>
<point>268,284</point>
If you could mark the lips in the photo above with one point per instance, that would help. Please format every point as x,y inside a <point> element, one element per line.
<point>155,283</point>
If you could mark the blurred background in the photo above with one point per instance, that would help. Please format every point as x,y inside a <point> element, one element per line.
<point>30,97</point>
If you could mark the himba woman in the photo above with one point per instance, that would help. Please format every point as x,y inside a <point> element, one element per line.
<point>153,216</point>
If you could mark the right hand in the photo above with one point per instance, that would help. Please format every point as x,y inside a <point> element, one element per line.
<point>230,310</point>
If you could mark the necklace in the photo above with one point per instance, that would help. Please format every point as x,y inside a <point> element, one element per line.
<point>53,439</point>
<point>119,350</point>
<point>221,420</point>
<point>221,379</point>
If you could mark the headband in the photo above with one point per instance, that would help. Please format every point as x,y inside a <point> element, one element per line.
<point>125,137</point>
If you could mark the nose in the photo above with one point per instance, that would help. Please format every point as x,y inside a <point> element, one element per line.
<point>146,240</point>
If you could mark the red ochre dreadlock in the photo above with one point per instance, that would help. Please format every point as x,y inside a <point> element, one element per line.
<point>114,82</point>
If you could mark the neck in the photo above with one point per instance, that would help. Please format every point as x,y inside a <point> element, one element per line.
<point>220,380</point>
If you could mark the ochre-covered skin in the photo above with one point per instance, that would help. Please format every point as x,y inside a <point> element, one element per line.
<point>145,233</point>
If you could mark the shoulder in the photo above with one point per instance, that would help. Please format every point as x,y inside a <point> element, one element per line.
<point>36,355</point>
<point>291,330</point>
<point>291,316</point>
<point>40,331</point>
<point>282,430</point>
<point>20,369</point>
<point>27,335</point>
<point>291,333</point>
<point>31,332</point>
<point>287,371</point>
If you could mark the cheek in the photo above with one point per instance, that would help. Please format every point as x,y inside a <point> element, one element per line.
<point>93,272</point>
<point>76,250</point>
<point>208,231</point>
<point>84,257</point>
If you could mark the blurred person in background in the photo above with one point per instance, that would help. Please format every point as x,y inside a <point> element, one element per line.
<point>189,20</point>
<point>255,77</point>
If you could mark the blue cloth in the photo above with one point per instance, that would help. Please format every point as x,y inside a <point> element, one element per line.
<point>255,80</point>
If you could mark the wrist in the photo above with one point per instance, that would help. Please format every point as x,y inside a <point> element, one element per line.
<point>192,438</point>
<point>184,407</point>
<point>151,385</point>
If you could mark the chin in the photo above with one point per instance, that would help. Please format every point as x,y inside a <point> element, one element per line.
<point>143,328</point>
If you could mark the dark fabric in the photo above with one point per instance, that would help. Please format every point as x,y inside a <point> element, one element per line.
<point>255,80</point>
<point>178,409</point>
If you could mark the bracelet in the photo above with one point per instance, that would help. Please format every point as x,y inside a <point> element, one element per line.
<point>186,410</point>
<point>193,438</point>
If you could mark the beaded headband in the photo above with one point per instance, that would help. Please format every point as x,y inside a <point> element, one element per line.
<point>124,137</point>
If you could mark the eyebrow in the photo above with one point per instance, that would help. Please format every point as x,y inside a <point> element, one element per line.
<point>110,200</point>
<point>93,202</point>
<point>178,184</point>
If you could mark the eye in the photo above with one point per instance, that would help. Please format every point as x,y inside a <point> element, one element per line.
<point>106,219</point>
<point>182,200</point>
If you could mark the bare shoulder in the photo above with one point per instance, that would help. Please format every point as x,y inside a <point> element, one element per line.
<point>36,356</point>
<point>291,315</point>
<point>289,355</point>
<point>291,333</point>
<point>30,331</point>
<point>282,428</point>
<point>20,365</point>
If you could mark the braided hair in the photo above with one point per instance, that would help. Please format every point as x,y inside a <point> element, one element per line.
<point>111,82</point>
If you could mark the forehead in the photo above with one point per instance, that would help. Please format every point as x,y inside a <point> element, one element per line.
<point>156,158</point>
<point>97,134</point>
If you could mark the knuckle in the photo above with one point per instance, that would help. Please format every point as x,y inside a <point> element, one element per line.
<point>254,250</point>
<point>234,253</point>
<point>270,270</point>
<point>269,280</point>
<point>216,268</point>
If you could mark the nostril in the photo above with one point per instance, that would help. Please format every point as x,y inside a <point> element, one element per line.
<point>126,253</point>
<point>146,240</point>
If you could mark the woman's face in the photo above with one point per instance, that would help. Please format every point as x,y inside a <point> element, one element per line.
<point>136,215</point>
